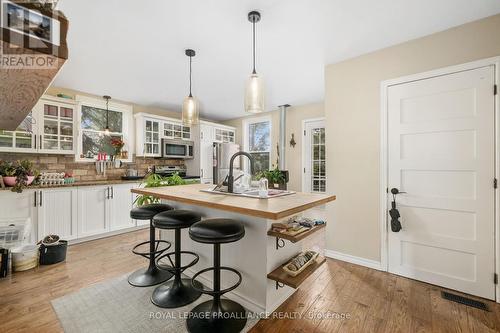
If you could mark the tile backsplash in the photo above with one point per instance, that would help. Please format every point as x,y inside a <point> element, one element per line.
<point>85,171</point>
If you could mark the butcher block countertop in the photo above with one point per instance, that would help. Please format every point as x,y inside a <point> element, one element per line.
<point>273,208</point>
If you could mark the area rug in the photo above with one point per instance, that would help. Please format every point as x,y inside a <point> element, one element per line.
<point>116,306</point>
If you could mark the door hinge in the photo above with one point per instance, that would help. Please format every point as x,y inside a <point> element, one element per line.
<point>495,89</point>
<point>304,170</point>
<point>495,183</point>
<point>304,132</point>
<point>495,278</point>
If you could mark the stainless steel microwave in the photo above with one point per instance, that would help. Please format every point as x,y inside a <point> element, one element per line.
<point>177,149</point>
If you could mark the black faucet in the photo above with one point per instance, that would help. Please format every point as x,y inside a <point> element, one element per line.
<point>230,177</point>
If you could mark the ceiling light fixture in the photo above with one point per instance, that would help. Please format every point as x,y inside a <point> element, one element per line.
<point>190,113</point>
<point>106,130</point>
<point>254,92</point>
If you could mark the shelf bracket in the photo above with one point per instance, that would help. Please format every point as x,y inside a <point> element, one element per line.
<point>279,285</point>
<point>280,243</point>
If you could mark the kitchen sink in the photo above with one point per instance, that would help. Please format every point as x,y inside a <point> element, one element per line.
<point>251,193</point>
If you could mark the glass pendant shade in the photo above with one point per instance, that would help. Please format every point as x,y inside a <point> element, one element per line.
<point>190,112</point>
<point>254,94</point>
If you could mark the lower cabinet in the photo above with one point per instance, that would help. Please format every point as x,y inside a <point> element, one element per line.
<point>119,206</point>
<point>70,212</point>
<point>57,213</point>
<point>92,211</point>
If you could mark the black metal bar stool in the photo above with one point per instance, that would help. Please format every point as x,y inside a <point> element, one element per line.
<point>151,275</point>
<point>218,315</point>
<point>177,292</point>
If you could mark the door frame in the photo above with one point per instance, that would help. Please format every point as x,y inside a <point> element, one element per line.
<point>304,123</point>
<point>384,165</point>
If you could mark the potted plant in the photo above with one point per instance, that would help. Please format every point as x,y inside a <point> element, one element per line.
<point>18,175</point>
<point>117,144</point>
<point>154,180</point>
<point>277,179</point>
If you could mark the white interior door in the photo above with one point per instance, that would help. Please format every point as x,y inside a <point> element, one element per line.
<point>441,152</point>
<point>314,157</point>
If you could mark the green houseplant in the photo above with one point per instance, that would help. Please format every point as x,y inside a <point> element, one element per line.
<point>18,174</point>
<point>275,177</point>
<point>154,180</point>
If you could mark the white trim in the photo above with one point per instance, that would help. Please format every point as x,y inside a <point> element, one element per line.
<point>384,85</point>
<point>354,260</point>
<point>245,137</point>
<point>128,129</point>
<point>304,148</point>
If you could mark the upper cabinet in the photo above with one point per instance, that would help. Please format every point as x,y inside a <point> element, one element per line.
<point>151,129</point>
<point>224,135</point>
<point>48,128</point>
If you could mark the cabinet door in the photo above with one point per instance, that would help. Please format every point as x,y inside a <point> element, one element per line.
<point>57,213</point>
<point>207,133</point>
<point>92,201</point>
<point>56,131</point>
<point>22,139</point>
<point>152,138</point>
<point>20,206</point>
<point>119,206</point>
<point>206,160</point>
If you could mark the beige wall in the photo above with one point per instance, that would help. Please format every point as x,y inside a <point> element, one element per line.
<point>295,116</point>
<point>352,108</point>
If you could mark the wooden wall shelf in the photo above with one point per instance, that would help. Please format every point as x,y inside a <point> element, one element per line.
<point>279,275</point>
<point>298,237</point>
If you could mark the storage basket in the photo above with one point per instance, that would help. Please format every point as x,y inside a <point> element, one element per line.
<point>14,232</point>
<point>295,273</point>
<point>24,258</point>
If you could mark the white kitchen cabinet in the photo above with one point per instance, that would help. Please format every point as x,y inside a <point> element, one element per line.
<point>57,212</point>
<point>92,212</point>
<point>206,161</point>
<point>49,128</point>
<point>175,130</point>
<point>19,206</point>
<point>224,135</point>
<point>207,133</point>
<point>119,206</point>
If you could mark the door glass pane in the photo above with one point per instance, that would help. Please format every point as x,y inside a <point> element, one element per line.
<point>155,137</point>
<point>177,134</point>
<point>50,127</point>
<point>156,149</point>
<point>318,162</point>
<point>148,137</point>
<point>6,139</point>
<point>66,128</point>
<point>50,111</point>
<point>66,113</point>
<point>155,127</point>
<point>50,142</point>
<point>67,143</point>
<point>23,140</point>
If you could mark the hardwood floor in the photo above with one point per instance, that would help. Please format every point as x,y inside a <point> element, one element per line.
<point>374,301</point>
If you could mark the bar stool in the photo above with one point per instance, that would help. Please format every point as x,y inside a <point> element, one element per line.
<point>177,292</point>
<point>151,275</point>
<point>218,315</point>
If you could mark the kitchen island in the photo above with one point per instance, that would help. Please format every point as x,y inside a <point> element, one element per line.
<point>261,253</point>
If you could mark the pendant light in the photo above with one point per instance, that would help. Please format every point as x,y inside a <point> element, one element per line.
<point>254,92</point>
<point>190,114</point>
<point>106,130</point>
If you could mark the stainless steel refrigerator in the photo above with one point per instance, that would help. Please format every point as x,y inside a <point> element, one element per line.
<point>222,155</point>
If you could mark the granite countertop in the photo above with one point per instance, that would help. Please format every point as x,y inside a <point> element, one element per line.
<point>81,183</point>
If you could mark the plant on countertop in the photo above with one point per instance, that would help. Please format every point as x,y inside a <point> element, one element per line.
<point>117,144</point>
<point>154,180</point>
<point>274,176</point>
<point>21,170</point>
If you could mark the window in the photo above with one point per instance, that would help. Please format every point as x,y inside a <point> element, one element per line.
<point>314,156</point>
<point>92,121</point>
<point>258,142</point>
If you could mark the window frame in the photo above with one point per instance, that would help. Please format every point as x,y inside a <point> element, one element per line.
<point>127,125</point>
<point>246,138</point>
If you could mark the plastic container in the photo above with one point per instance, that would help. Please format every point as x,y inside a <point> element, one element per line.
<point>53,254</point>
<point>24,258</point>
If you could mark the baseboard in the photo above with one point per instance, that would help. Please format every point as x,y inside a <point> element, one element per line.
<point>106,234</point>
<point>354,260</point>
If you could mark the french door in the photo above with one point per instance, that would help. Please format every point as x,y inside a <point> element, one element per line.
<point>314,151</point>
<point>441,152</point>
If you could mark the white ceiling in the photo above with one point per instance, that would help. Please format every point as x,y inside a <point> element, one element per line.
<point>134,50</point>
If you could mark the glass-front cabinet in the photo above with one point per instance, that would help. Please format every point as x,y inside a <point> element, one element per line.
<point>224,135</point>
<point>152,137</point>
<point>49,128</point>
<point>176,131</point>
